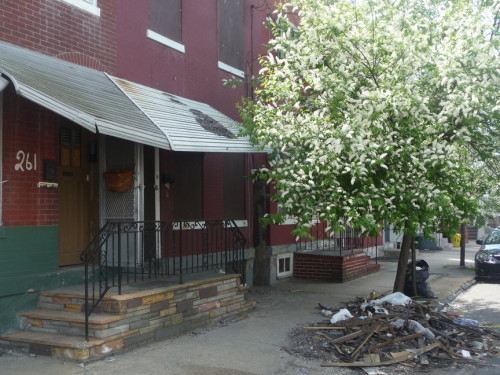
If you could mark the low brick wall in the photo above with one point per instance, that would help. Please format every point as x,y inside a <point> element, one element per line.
<point>338,268</point>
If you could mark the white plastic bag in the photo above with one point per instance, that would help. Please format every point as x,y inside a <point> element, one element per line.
<point>343,314</point>
<point>414,326</point>
<point>395,299</point>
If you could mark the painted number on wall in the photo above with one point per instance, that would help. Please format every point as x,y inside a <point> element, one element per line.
<point>26,162</point>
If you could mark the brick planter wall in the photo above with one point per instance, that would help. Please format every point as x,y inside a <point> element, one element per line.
<point>338,268</point>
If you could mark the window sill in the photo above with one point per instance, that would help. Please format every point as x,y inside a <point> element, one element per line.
<point>83,5</point>
<point>165,41</point>
<point>230,69</point>
<point>289,222</point>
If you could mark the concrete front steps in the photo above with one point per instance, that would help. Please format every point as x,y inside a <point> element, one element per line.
<point>123,321</point>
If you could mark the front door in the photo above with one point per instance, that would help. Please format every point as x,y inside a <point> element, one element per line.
<point>74,194</point>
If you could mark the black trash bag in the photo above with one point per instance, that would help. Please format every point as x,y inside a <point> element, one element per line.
<point>422,274</point>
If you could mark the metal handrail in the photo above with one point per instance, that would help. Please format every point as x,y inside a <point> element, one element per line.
<point>346,241</point>
<point>128,252</point>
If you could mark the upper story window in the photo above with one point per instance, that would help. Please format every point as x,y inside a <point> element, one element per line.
<point>230,36</point>
<point>165,23</point>
<point>86,5</point>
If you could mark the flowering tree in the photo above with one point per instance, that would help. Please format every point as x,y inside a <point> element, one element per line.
<point>378,110</point>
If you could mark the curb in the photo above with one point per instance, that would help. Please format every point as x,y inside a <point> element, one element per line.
<point>442,306</point>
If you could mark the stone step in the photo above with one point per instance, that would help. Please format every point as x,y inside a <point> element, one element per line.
<point>62,346</point>
<point>74,300</point>
<point>139,315</point>
<point>54,302</point>
<point>71,323</point>
<point>71,316</point>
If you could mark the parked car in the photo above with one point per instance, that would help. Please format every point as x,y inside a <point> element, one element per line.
<point>487,259</point>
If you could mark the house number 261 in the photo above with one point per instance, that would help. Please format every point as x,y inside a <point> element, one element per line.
<point>25,162</point>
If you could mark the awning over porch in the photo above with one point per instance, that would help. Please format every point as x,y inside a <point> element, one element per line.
<point>189,125</point>
<point>85,96</point>
<point>117,107</point>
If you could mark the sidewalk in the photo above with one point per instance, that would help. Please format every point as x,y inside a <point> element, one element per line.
<point>253,345</point>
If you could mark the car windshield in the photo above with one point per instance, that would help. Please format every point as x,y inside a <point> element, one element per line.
<point>493,238</point>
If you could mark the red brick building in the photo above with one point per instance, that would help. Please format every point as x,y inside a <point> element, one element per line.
<point>91,86</point>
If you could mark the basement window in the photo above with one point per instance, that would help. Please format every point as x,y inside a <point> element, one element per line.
<point>86,5</point>
<point>284,265</point>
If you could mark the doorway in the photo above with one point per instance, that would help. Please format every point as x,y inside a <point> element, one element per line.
<point>76,206</point>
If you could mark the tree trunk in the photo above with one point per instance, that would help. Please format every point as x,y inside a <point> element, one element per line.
<point>261,270</point>
<point>399,283</point>
<point>463,232</point>
<point>414,266</point>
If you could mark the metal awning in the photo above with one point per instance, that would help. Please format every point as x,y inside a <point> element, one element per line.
<point>86,96</point>
<point>117,107</point>
<point>189,125</point>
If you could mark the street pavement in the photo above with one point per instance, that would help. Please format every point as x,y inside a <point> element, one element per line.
<point>253,344</point>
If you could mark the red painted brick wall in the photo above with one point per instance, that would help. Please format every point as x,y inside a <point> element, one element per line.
<point>59,29</point>
<point>193,74</point>
<point>29,128</point>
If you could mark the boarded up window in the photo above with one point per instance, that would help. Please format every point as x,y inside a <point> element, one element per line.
<point>234,186</point>
<point>230,32</point>
<point>188,186</point>
<point>165,18</point>
<point>70,147</point>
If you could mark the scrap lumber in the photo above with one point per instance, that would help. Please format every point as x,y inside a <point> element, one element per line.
<point>326,328</point>
<point>400,339</point>
<point>348,337</point>
<point>379,341</point>
<point>399,357</point>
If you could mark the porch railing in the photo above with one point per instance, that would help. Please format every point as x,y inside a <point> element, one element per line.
<point>343,242</point>
<point>129,252</point>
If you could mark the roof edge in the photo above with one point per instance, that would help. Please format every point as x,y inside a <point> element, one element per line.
<point>112,79</point>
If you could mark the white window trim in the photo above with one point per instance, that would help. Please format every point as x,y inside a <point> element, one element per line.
<point>193,225</point>
<point>230,69</point>
<point>90,7</point>
<point>165,41</point>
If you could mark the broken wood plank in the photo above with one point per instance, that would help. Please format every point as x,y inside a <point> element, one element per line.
<point>401,339</point>
<point>348,337</point>
<point>365,340</point>
<point>401,356</point>
<point>371,358</point>
<point>332,328</point>
<point>323,335</point>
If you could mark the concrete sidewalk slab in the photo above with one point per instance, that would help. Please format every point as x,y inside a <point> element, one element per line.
<point>253,345</point>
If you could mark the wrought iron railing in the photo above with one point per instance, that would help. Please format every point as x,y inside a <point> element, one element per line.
<point>347,241</point>
<point>129,252</point>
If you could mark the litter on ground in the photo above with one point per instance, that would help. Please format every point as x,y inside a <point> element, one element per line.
<point>403,332</point>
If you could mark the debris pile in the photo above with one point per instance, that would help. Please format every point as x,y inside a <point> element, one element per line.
<point>393,329</point>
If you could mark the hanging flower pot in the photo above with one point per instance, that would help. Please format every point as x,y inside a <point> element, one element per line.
<point>119,180</point>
